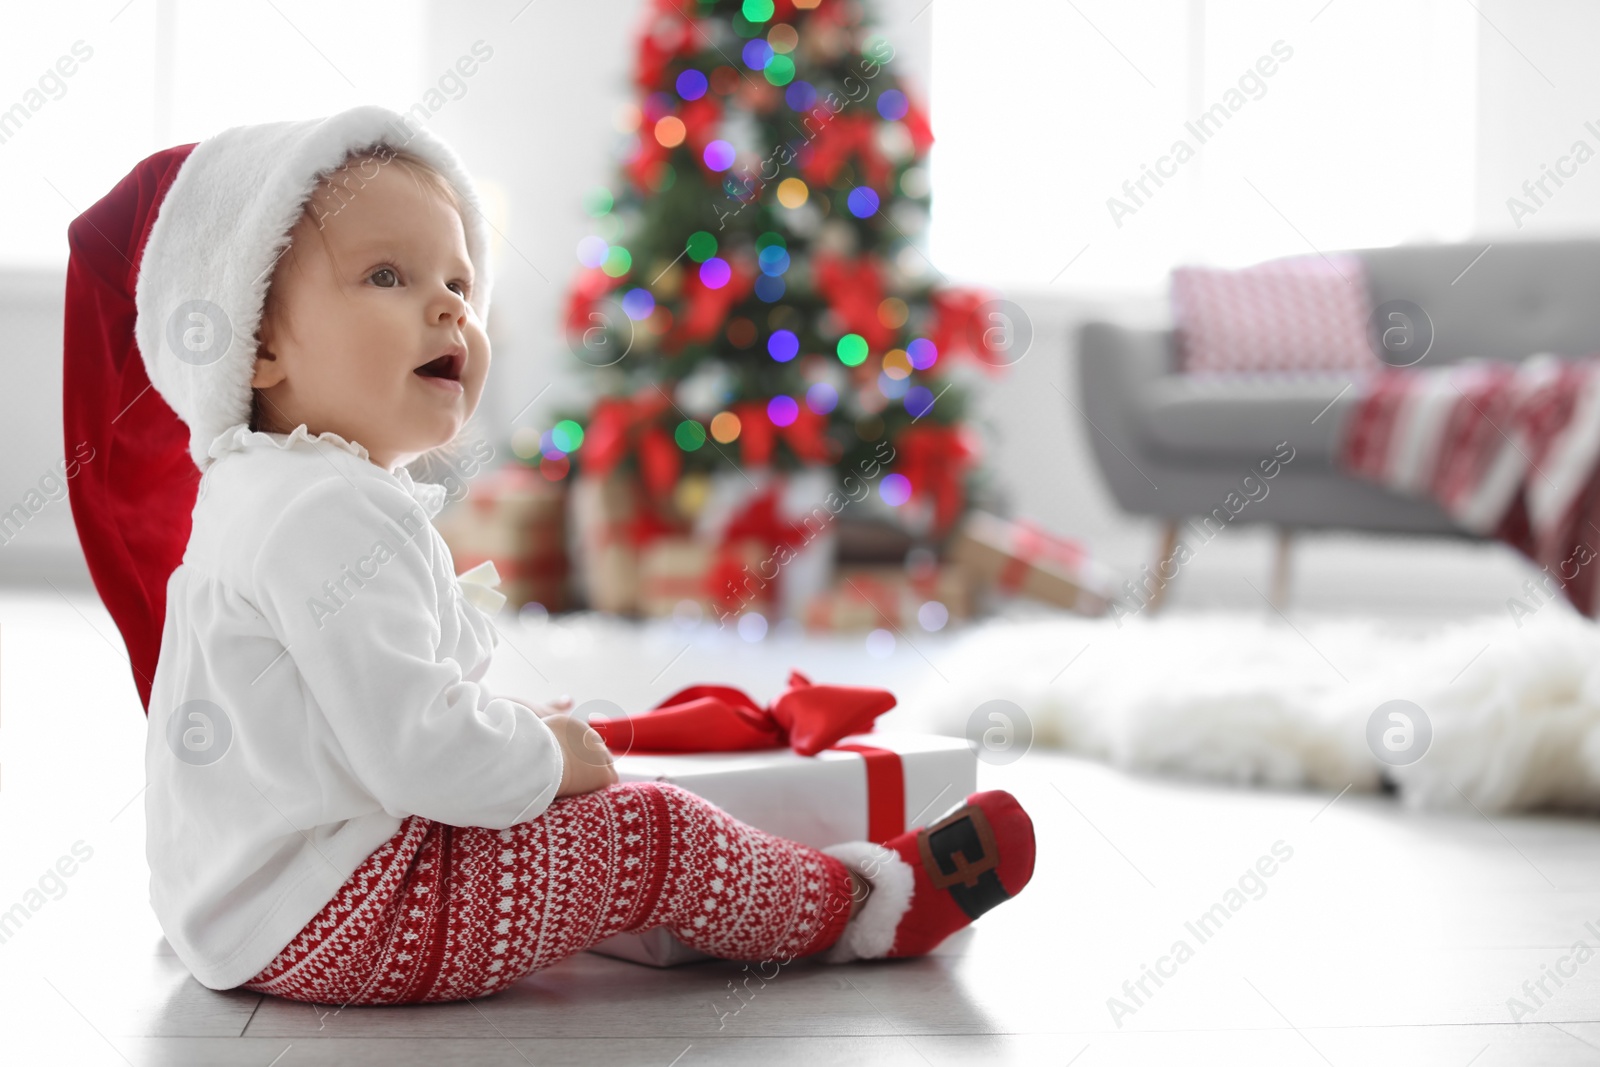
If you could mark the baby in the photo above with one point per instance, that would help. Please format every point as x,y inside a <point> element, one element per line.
<point>338,811</point>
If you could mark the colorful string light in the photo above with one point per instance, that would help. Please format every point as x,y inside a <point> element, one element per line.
<point>783,345</point>
<point>718,155</point>
<point>618,261</point>
<point>894,489</point>
<point>757,54</point>
<point>800,96</point>
<point>852,350</point>
<point>689,435</point>
<point>862,202</point>
<point>822,398</point>
<point>725,427</point>
<point>567,435</point>
<point>592,251</point>
<point>715,272</point>
<point>922,353</point>
<point>638,304</point>
<point>670,131</point>
<point>692,85</point>
<point>782,410</point>
<point>773,260</point>
<point>701,246</point>
<point>792,192</point>
<point>919,401</point>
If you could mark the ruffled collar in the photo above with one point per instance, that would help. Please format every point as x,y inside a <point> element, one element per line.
<point>241,437</point>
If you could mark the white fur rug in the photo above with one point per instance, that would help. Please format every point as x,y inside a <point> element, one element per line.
<point>1253,699</point>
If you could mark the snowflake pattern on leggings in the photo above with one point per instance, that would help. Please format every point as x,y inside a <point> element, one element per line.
<point>444,912</point>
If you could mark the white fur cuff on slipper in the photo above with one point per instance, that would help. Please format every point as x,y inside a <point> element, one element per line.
<point>870,933</point>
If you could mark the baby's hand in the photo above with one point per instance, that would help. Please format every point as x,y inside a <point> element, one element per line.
<point>587,763</point>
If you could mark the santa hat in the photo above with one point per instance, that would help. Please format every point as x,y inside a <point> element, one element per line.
<point>174,263</point>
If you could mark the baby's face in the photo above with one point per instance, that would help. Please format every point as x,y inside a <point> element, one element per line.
<point>363,315</point>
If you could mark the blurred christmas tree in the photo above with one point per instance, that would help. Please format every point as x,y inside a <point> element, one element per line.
<point>754,291</point>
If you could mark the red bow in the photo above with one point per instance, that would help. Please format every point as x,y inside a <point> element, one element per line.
<point>835,143</point>
<point>715,718</point>
<point>666,34</point>
<point>706,310</point>
<point>588,286</point>
<point>621,425</point>
<point>959,329</point>
<point>932,457</point>
<point>806,435</point>
<point>854,289</point>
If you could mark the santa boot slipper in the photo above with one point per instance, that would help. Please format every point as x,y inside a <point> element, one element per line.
<point>930,882</point>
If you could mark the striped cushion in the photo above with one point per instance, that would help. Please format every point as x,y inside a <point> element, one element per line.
<point>1306,314</point>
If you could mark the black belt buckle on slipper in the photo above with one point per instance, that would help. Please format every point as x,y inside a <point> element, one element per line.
<point>960,855</point>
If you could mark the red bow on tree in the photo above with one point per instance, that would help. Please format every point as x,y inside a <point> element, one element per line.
<point>715,718</point>
<point>843,137</point>
<point>854,289</point>
<point>702,119</point>
<point>588,286</point>
<point>621,425</point>
<point>933,459</point>
<point>667,34</point>
<point>706,309</point>
<point>806,435</point>
<point>960,329</point>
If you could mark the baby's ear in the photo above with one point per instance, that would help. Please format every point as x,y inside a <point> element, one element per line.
<point>268,370</point>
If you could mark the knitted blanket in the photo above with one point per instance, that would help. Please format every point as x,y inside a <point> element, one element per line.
<point>1510,450</point>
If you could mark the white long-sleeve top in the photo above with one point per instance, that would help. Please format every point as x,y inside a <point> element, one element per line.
<point>318,682</point>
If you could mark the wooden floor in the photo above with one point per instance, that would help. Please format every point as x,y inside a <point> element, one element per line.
<point>1385,937</point>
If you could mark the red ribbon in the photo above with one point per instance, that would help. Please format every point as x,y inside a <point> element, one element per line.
<point>959,329</point>
<point>717,718</point>
<point>1031,544</point>
<point>806,718</point>
<point>806,436</point>
<point>842,137</point>
<point>854,289</point>
<point>932,457</point>
<point>623,425</point>
<point>706,310</point>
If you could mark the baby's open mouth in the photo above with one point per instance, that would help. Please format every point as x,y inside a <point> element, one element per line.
<point>446,366</point>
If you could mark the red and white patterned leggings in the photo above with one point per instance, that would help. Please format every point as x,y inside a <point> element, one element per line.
<point>444,912</point>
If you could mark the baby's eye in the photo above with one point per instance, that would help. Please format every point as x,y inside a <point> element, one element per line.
<point>379,273</point>
<point>461,287</point>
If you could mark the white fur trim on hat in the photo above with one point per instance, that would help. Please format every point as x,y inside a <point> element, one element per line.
<point>226,219</point>
<point>871,933</point>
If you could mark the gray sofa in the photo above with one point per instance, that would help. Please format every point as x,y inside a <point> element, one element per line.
<point>1174,448</point>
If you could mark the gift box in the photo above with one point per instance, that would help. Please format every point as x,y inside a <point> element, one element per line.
<point>1020,558</point>
<point>612,522</point>
<point>788,516</point>
<point>720,579</point>
<point>870,598</point>
<point>817,800</point>
<point>811,767</point>
<point>516,520</point>
<point>757,544</point>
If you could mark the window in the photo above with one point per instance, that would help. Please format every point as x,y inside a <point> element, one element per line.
<point>1124,139</point>
<point>150,75</point>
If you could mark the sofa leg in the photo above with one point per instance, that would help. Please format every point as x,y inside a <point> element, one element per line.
<point>1280,568</point>
<point>1169,542</point>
